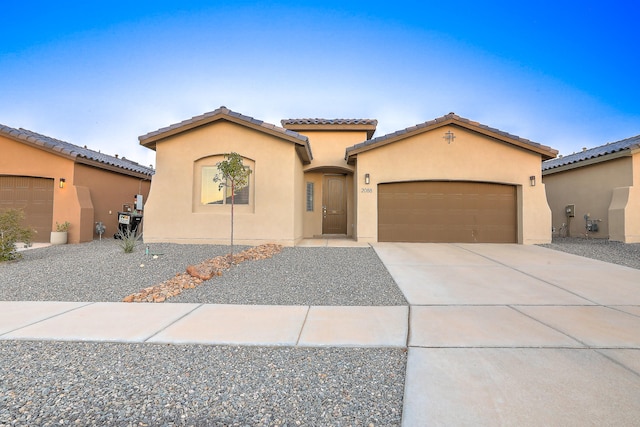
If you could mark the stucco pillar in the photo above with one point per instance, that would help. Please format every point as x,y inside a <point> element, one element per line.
<point>536,215</point>
<point>622,226</point>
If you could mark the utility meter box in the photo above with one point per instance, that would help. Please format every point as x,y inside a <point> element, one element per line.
<point>570,210</point>
<point>128,223</point>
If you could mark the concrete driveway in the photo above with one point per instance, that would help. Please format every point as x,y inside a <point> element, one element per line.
<point>517,335</point>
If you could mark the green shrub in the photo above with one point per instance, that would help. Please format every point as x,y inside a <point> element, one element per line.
<point>128,240</point>
<point>12,231</point>
<point>63,227</point>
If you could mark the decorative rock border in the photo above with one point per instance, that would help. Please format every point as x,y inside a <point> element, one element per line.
<point>199,273</point>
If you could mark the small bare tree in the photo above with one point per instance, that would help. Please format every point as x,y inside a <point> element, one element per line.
<point>235,176</point>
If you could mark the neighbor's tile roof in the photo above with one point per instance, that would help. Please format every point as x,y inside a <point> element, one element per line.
<point>203,118</point>
<point>603,150</point>
<point>286,122</point>
<point>72,150</point>
<point>449,118</point>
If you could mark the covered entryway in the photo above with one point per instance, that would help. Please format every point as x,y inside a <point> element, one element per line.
<point>35,197</point>
<point>447,212</point>
<point>334,205</point>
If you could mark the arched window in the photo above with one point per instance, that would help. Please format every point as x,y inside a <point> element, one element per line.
<point>214,194</point>
<point>208,194</point>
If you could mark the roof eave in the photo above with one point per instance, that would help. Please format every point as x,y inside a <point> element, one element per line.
<point>353,151</point>
<point>112,168</point>
<point>151,139</point>
<point>370,129</point>
<point>40,144</point>
<point>592,161</point>
<point>545,152</point>
<point>304,152</point>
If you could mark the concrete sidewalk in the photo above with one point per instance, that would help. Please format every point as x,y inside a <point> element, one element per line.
<point>517,335</point>
<point>496,334</point>
<point>205,324</point>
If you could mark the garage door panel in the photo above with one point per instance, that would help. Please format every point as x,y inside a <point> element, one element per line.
<point>447,211</point>
<point>32,195</point>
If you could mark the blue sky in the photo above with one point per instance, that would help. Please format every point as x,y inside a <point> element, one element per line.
<point>563,74</point>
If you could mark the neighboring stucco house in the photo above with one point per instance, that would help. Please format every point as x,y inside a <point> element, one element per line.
<point>55,181</point>
<point>602,183</point>
<point>446,180</point>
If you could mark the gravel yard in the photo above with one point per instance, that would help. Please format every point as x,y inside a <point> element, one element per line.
<point>55,383</point>
<point>600,249</point>
<point>100,271</point>
<point>62,383</point>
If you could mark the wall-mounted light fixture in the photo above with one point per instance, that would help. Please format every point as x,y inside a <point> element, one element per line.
<point>62,181</point>
<point>532,180</point>
<point>367,179</point>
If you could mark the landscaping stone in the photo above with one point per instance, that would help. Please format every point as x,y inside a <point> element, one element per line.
<point>197,274</point>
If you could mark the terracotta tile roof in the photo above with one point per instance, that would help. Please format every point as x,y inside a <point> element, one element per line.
<point>203,119</point>
<point>603,150</point>
<point>303,147</point>
<point>304,125</point>
<point>286,122</point>
<point>71,150</point>
<point>546,152</point>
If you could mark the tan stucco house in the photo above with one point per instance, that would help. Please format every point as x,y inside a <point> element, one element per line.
<point>596,192</point>
<point>55,181</point>
<point>445,180</point>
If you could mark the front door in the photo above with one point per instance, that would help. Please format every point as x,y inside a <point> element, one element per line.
<point>334,205</point>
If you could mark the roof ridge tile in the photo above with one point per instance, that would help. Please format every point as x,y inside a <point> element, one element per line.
<point>323,121</point>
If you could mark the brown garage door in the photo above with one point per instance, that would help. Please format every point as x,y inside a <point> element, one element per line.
<point>35,197</point>
<point>447,212</point>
